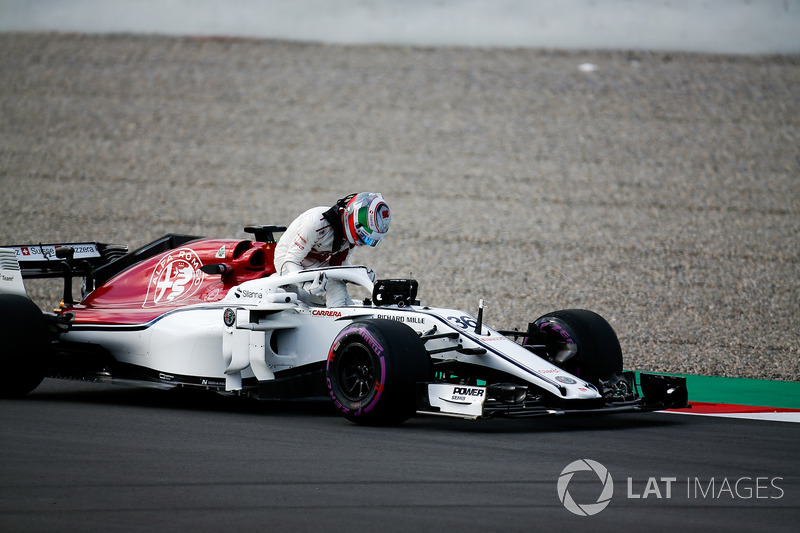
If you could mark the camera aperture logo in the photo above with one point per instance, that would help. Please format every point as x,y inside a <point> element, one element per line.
<point>585,509</point>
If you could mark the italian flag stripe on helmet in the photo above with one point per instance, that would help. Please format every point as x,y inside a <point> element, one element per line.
<point>366,219</point>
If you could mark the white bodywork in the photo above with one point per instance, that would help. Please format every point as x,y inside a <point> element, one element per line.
<point>268,330</point>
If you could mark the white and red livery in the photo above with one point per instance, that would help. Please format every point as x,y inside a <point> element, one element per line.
<point>213,314</point>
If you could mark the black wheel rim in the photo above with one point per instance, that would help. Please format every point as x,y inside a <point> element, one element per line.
<point>555,343</point>
<point>356,372</point>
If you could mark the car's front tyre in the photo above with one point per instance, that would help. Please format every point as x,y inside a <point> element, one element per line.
<point>373,369</point>
<point>594,351</point>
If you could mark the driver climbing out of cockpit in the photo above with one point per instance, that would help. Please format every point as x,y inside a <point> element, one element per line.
<point>324,236</point>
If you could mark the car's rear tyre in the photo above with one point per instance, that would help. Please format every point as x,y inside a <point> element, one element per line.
<point>598,354</point>
<point>24,345</point>
<point>373,370</point>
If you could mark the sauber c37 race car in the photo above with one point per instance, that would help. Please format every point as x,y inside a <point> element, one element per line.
<point>185,311</point>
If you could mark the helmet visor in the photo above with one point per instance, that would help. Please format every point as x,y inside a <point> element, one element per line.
<point>369,241</point>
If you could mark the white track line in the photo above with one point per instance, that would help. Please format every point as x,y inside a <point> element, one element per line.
<point>775,416</point>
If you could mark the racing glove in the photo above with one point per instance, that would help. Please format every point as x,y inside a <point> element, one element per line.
<point>318,286</point>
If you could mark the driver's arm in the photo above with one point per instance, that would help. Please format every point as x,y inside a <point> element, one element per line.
<point>302,242</point>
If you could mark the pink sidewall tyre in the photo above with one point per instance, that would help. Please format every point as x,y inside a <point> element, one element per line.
<point>373,369</point>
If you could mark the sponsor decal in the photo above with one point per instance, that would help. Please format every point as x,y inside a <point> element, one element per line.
<point>326,312</point>
<point>176,277</point>
<point>229,317</point>
<point>557,329</point>
<point>373,343</point>
<point>357,408</point>
<point>220,253</point>
<point>297,242</point>
<point>251,295</point>
<point>46,252</point>
<point>466,394</point>
<point>565,379</point>
<point>402,318</point>
<point>468,391</point>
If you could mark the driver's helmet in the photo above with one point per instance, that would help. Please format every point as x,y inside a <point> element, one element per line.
<point>366,219</point>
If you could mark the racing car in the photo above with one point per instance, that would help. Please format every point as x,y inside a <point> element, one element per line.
<point>186,311</point>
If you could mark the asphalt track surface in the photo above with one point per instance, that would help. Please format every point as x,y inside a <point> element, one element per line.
<point>92,457</point>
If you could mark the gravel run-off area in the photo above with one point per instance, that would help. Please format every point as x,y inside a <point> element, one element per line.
<point>661,190</point>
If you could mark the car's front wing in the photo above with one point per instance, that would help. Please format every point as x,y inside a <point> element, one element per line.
<point>652,392</point>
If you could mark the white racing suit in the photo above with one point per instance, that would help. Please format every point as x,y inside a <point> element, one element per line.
<point>308,243</point>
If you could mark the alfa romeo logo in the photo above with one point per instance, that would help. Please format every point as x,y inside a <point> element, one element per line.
<point>229,317</point>
<point>176,277</point>
<point>585,509</point>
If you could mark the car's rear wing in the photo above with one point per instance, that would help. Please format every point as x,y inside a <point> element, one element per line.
<point>95,262</point>
<point>49,260</point>
<point>55,260</point>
